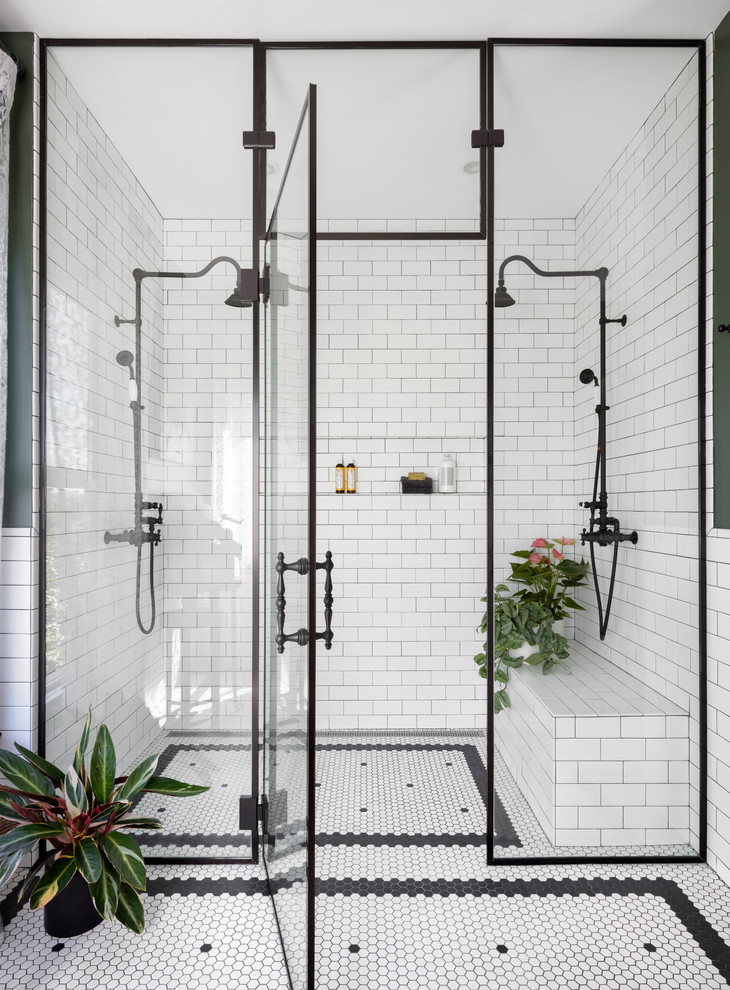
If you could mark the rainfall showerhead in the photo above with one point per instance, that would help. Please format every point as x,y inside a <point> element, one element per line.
<point>235,299</point>
<point>501,296</point>
<point>587,376</point>
<point>126,359</point>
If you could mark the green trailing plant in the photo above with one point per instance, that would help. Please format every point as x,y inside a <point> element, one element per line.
<point>84,815</point>
<point>526,615</point>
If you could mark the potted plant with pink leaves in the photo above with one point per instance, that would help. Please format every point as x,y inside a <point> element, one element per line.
<point>94,869</point>
<point>525,617</point>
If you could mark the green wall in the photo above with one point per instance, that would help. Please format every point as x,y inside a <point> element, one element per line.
<point>721,275</point>
<point>18,464</point>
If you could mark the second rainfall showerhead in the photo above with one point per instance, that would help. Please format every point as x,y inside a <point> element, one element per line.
<point>501,296</point>
<point>587,376</point>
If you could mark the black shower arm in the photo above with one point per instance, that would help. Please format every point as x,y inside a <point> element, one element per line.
<point>600,273</point>
<point>138,274</point>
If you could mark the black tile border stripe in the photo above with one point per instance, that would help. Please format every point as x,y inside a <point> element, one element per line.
<point>699,928</point>
<point>506,835</point>
<point>711,943</point>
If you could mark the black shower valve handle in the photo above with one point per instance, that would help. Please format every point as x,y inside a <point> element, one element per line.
<point>154,505</point>
<point>723,328</point>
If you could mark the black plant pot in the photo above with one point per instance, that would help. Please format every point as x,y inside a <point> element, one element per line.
<point>71,912</point>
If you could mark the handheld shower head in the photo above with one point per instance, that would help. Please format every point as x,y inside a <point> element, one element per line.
<point>587,376</point>
<point>126,360</point>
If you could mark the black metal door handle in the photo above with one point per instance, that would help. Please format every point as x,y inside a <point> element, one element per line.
<point>301,636</point>
<point>327,566</point>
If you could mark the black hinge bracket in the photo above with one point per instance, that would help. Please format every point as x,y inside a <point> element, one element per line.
<point>259,139</point>
<point>487,139</point>
<point>250,813</point>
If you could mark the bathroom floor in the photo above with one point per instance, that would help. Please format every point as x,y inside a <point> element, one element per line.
<point>400,906</point>
<point>620,928</point>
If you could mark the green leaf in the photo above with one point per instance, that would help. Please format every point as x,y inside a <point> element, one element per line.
<point>129,909</point>
<point>82,746</point>
<point>137,779</point>
<point>137,823</point>
<point>75,795</point>
<point>24,775</point>
<point>502,695</point>
<point>88,859</point>
<point>498,706</point>
<point>34,871</point>
<point>103,765</point>
<point>53,881</point>
<point>10,864</point>
<point>27,835</point>
<point>49,769</point>
<point>126,856</point>
<point>502,676</point>
<point>536,659</point>
<point>106,890</point>
<point>176,788</point>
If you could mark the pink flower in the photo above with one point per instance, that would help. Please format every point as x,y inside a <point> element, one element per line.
<point>566,542</point>
<point>557,554</point>
<point>535,558</point>
<point>539,542</point>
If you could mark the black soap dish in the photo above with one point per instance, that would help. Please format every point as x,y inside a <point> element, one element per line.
<point>409,486</point>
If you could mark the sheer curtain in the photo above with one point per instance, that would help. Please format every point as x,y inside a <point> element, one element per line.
<point>8,71</point>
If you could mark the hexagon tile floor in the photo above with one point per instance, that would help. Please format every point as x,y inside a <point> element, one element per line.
<point>405,902</point>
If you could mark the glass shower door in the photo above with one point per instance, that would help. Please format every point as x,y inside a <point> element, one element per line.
<point>289,572</point>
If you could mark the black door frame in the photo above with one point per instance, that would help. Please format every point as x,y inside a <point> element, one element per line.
<point>700,48</point>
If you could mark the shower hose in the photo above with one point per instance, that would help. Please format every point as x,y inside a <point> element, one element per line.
<point>141,625</point>
<point>602,618</point>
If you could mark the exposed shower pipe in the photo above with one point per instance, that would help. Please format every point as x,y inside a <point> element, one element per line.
<point>146,528</point>
<point>603,529</point>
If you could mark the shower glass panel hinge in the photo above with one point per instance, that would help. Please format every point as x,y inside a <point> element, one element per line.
<point>259,139</point>
<point>250,813</point>
<point>487,139</point>
<point>254,286</point>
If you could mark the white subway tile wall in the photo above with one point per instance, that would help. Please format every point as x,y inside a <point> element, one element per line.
<point>207,369</point>
<point>641,222</point>
<point>101,225</point>
<point>402,382</point>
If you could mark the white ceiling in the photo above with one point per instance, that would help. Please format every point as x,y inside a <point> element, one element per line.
<point>394,128</point>
<point>377,20</point>
<point>176,116</point>
<point>568,113</point>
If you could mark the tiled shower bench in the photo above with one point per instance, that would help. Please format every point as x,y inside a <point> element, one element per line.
<point>601,758</point>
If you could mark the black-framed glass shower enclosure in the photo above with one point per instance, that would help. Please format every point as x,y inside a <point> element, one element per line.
<point>179,421</point>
